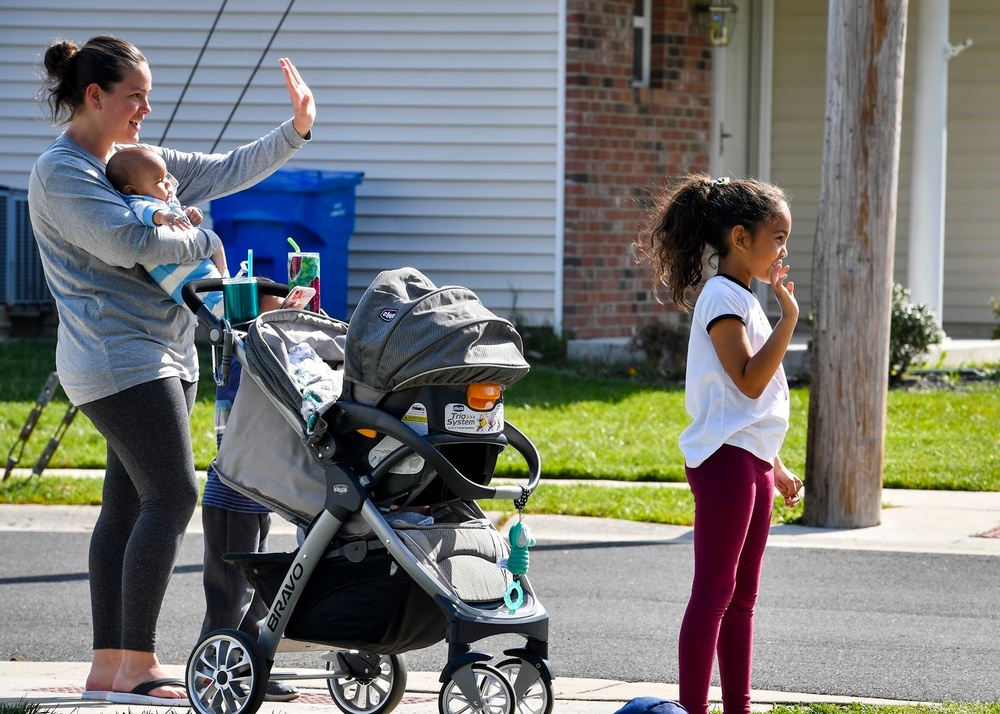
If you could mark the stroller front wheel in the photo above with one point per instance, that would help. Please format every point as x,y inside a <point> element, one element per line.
<point>367,683</point>
<point>537,696</point>
<point>226,674</point>
<point>478,687</point>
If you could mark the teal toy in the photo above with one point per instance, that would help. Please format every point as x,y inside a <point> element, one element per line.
<point>520,540</point>
<point>517,563</point>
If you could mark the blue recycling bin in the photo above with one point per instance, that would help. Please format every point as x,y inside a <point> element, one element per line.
<point>314,208</point>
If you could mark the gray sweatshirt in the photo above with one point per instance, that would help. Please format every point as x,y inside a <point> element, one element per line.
<point>117,327</point>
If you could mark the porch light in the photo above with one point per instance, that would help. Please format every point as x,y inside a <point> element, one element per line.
<point>716,20</point>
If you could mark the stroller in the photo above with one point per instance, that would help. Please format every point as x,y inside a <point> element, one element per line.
<point>389,430</point>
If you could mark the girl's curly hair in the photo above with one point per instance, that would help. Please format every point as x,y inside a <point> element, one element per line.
<point>691,221</point>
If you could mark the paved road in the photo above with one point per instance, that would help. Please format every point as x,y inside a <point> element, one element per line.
<point>895,625</point>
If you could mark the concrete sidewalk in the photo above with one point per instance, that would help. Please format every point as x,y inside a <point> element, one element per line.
<point>912,521</point>
<point>57,686</point>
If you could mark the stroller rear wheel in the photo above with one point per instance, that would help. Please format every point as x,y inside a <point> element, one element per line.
<point>367,683</point>
<point>478,687</point>
<point>536,697</point>
<point>227,674</point>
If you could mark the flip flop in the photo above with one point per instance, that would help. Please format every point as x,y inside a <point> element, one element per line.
<point>140,694</point>
<point>95,695</point>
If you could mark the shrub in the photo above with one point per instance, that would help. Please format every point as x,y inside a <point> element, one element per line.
<point>664,345</point>
<point>541,343</point>
<point>912,330</point>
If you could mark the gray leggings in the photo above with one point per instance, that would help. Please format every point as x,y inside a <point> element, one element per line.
<point>150,492</point>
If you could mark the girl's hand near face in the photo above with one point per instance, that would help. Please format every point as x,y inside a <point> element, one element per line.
<point>303,105</point>
<point>784,292</point>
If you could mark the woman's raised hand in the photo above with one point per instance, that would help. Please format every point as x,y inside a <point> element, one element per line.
<point>302,99</point>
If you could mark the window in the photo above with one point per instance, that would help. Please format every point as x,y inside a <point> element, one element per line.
<point>642,21</point>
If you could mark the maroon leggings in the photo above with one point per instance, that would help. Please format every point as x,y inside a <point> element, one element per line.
<point>733,497</point>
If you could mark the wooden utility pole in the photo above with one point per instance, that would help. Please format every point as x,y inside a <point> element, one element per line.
<point>852,265</point>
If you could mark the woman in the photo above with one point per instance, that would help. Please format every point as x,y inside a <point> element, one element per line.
<point>125,352</point>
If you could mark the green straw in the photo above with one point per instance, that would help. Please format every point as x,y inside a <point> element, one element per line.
<point>294,245</point>
<point>250,263</point>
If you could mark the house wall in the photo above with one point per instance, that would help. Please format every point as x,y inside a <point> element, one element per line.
<point>972,208</point>
<point>622,143</point>
<point>452,111</point>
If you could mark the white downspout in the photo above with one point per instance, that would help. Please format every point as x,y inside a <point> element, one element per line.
<point>925,269</point>
<point>560,177</point>
<point>761,168</point>
<point>716,164</point>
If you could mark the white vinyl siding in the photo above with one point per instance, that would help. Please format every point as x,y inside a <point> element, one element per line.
<point>799,97</point>
<point>449,108</point>
<point>972,207</point>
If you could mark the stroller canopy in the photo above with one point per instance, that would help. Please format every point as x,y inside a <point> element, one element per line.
<point>407,332</point>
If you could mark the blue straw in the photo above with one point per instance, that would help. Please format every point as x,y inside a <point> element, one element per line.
<point>250,263</point>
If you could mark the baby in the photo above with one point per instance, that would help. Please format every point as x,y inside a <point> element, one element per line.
<point>140,176</point>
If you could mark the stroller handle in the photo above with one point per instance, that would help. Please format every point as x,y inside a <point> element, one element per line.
<point>363,416</point>
<point>191,294</point>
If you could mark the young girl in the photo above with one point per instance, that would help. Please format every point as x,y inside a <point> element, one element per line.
<point>737,396</point>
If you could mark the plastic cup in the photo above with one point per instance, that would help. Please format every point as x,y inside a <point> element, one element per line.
<point>303,269</point>
<point>239,298</point>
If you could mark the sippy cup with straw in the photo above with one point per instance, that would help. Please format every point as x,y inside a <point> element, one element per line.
<point>239,294</point>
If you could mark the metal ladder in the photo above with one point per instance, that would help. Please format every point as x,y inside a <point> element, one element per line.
<point>17,450</point>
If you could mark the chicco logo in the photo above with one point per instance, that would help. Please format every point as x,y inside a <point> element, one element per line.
<point>387,315</point>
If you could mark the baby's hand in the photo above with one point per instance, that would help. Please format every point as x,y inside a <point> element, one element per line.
<point>194,215</point>
<point>174,220</point>
<point>784,292</point>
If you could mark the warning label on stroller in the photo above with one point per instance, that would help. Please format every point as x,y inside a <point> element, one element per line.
<point>411,464</point>
<point>416,419</point>
<point>461,419</point>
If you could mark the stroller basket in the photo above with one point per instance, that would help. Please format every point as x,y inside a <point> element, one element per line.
<point>373,604</point>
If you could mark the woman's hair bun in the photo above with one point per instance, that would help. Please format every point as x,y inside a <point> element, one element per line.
<point>58,56</point>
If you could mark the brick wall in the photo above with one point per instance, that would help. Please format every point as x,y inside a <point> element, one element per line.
<point>621,143</point>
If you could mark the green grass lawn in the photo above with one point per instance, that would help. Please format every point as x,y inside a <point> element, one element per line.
<point>587,428</point>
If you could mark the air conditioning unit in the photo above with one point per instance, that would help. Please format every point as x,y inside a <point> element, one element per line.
<point>22,282</point>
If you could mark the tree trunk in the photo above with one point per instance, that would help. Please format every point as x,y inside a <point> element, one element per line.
<point>852,266</point>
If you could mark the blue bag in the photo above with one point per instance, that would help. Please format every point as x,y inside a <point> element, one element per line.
<point>651,705</point>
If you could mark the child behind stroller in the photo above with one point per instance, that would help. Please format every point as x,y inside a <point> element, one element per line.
<point>384,469</point>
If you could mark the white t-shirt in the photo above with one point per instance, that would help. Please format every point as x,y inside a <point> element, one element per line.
<point>721,413</point>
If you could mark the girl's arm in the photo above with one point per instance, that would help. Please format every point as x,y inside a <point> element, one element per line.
<point>751,372</point>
